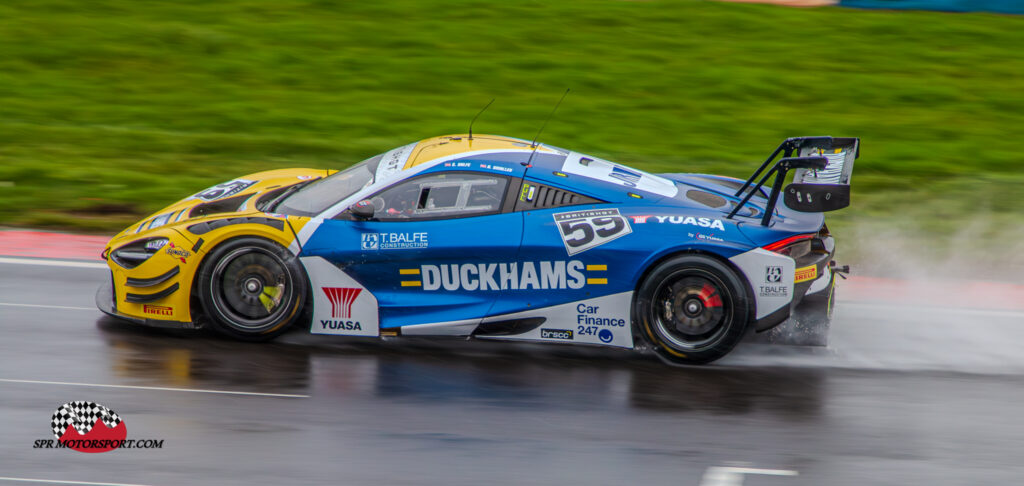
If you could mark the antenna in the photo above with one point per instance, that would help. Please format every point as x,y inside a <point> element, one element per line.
<point>533,144</point>
<point>478,116</point>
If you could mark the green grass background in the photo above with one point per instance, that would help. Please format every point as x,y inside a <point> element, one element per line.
<point>110,109</point>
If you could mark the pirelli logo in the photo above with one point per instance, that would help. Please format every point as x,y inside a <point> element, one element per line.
<point>157,310</point>
<point>553,275</point>
<point>806,273</point>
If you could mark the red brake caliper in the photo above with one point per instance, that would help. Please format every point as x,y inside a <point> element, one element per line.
<point>709,296</point>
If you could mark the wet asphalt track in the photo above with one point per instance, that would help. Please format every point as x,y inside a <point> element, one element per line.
<point>903,396</point>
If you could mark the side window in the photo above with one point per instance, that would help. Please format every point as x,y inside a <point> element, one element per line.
<point>540,196</point>
<point>441,196</point>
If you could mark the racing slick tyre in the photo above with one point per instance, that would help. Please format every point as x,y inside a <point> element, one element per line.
<point>692,309</point>
<point>809,323</point>
<point>251,289</point>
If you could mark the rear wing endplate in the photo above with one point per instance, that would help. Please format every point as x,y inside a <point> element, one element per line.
<point>822,169</point>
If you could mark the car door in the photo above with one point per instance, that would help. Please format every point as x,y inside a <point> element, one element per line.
<point>432,251</point>
<point>573,247</point>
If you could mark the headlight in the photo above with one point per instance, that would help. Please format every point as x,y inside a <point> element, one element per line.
<point>136,252</point>
<point>155,223</point>
<point>155,245</point>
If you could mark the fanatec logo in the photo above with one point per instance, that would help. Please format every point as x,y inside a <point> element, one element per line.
<point>341,301</point>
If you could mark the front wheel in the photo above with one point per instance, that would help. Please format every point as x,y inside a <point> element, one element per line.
<point>251,289</point>
<point>692,309</point>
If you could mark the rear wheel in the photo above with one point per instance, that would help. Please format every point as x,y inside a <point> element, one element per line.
<point>251,289</point>
<point>692,309</point>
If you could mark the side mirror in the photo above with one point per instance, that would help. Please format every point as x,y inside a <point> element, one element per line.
<point>362,210</point>
<point>816,198</point>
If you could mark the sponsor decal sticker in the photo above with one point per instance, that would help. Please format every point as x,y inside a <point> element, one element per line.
<point>394,241</point>
<point>393,161</point>
<point>587,315</point>
<point>558,274</point>
<point>622,176</point>
<point>90,427</point>
<point>706,237</point>
<point>341,299</point>
<point>527,193</point>
<point>176,252</point>
<point>565,334</point>
<point>772,274</point>
<point>157,310</point>
<point>773,283</point>
<point>605,336</point>
<point>370,241</point>
<point>223,190</point>
<point>687,220</point>
<point>806,273</point>
<point>583,230</point>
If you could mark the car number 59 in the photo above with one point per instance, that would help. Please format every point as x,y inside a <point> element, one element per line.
<point>583,230</point>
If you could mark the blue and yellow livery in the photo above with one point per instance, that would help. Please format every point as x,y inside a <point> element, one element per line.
<point>490,237</point>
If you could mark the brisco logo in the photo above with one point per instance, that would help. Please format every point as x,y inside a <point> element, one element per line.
<point>556,334</point>
<point>88,427</point>
<point>558,274</point>
<point>690,220</point>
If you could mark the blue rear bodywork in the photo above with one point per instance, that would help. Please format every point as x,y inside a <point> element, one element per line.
<point>465,268</point>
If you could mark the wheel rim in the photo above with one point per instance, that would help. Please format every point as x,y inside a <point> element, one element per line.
<point>691,310</point>
<point>250,288</point>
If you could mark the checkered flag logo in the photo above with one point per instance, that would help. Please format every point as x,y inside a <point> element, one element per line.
<point>82,416</point>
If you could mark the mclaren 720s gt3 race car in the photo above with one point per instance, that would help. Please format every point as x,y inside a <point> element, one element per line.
<point>488,237</point>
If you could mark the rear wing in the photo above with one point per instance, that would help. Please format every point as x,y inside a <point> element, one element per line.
<point>822,169</point>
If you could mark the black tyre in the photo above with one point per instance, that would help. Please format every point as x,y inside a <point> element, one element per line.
<point>251,289</point>
<point>809,323</point>
<point>692,309</point>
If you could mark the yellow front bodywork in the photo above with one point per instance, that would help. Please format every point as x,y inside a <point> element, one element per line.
<point>183,252</point>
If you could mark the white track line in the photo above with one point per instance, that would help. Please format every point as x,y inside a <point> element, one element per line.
<point>64,307</point>
<point>52,263</point>
<point>733,476</point>
<point>156,388</point>
<point>58,481</point>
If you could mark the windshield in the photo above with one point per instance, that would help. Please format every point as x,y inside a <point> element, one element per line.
<point>319,195</point>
